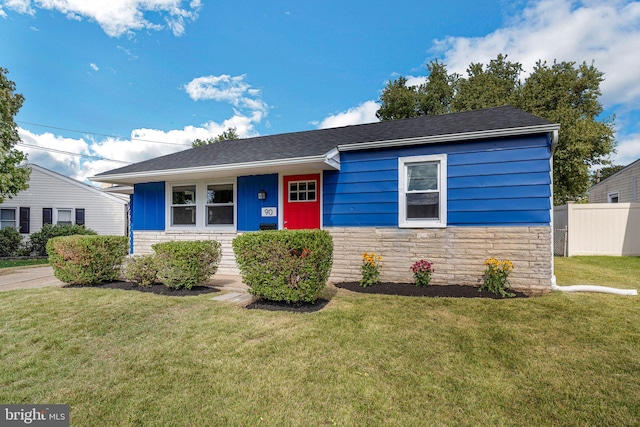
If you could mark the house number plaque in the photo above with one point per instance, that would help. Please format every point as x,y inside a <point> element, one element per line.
<point>269,211</point>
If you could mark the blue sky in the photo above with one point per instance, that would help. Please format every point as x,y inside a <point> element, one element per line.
<point>143,78</point>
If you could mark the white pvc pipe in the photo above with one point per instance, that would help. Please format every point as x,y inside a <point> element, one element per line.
<point>592,288</point>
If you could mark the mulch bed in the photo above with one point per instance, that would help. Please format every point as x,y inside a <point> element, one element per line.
<point>411,290</point>
<point>302,307</point>
<point>158,289</point>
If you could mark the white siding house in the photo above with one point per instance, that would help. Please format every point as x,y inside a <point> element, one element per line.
<point>56,199</point>
<point>621,187</point>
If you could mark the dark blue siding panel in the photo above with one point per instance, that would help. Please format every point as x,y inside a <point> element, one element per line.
<point>499,218</point>
<point>495,156</point>
<point>363,187</point>
<point>492,182</point>
<point>148,211</point>
<point>541,178</point>
<point>366,198</point>
<point>478,205</point>
<point>349,220</point>
<point>365,209</point>
<point>499,192</point>
<point>512,167</point>
<point>249,207</point>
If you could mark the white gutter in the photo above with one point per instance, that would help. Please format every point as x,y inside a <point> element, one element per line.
<point>592,288</point>
<point>329,159</point>
<point>495,133</point>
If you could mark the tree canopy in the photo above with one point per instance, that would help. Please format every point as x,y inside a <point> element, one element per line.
<point>563,92</point>
<point>13,179</point>
<point>229,134</point>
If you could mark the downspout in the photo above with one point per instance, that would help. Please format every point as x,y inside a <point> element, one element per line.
<point>592,288</point>
<point>576,288</point>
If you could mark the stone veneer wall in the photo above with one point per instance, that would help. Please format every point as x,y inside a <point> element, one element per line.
<point>458,253</point>
<point>142,241</point>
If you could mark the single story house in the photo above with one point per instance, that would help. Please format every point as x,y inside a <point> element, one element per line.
<point>57,199</point>
<point>454,189</point>
<point>621,187</point>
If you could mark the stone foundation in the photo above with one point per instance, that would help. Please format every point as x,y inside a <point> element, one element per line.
<point>457,253</point>
<point>142,241</point>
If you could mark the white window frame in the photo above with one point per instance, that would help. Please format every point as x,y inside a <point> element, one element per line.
<point>173,205</point>
<point>613,194</point>
<point>233,204</point>
<point>200,205</point>
<point>441,221</point>
<point>15,217</point>
<point>306,191</point>
<point>56,219</point>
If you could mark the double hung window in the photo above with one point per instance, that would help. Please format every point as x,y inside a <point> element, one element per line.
<point>8,218</point>
<point>202,204</point>
<point>183,205</point>
<point>422,191</point>
<point>64,217</point>
<point>219,204</point>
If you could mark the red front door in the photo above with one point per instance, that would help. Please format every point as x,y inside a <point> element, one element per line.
<point>301,201</point>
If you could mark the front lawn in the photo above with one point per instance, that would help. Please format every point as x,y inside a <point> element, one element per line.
<point>123,358</point>
<point>617,272</point>
<point>7,263</point>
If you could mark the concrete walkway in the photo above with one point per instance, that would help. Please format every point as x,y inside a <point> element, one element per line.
<point>42,276</point>
<point>27,278</point>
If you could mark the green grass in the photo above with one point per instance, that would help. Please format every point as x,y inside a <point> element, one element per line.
<point>617,272</point>
<point>7,263</point>
<point>132,359</point>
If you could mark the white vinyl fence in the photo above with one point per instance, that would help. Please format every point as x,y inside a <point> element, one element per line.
<point>597,229</point>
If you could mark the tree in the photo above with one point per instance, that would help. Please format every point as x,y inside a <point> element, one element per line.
<point>13,178</point>
<point>563,93</point>
<point>604,173</point>
<point>569,95</point>
<point>437,93</point>
<point>399,101</point>
<point>494,86</point>
<point>227,135</point>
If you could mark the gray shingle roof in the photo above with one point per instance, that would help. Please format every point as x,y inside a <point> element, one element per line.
<point>318,142</point>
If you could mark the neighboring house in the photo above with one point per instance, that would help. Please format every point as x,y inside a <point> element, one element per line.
<point>455,189</point>
<point>609,224</point>
<point>621,187</point>
<point>56,199</point>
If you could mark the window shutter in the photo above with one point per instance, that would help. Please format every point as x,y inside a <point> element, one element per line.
<point>25,220</point>
<point>47,216</point>
<point>80,217</point>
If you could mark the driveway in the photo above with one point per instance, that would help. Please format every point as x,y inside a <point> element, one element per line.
<point>42,276</point>
<point>27,278</point>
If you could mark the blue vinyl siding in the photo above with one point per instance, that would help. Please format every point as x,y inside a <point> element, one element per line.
<point>493,182</point>
<point>249,207</point>
<point>148,211</point>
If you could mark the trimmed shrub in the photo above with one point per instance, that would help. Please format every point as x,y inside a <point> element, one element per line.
<point>141,270</point>
<point>285,265</point>
<point>40,238</point>
<point>10,240</point>
<point>187,263</point>
<point>87,260</point>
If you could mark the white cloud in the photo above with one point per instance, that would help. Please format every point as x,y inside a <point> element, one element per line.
<point>415,80</point>
<point>231,89</point>
<point>363,113</point>
<point>20,6</point>
<point>607,32</point>
<point>117,17</point>
<point>142,144</point>
<point>94,67</point>
<point>628,149</point>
